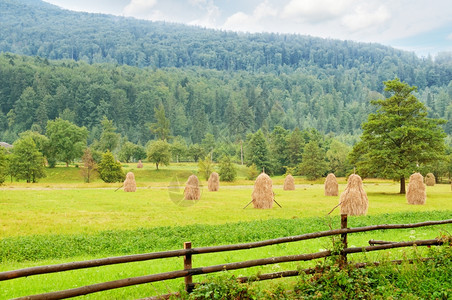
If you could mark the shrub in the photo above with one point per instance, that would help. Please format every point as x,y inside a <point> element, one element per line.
<point>205,167</point>
<point>228,172</point>
<point>252,172</point>
<point>4,166</point>
<point>223,286</point>
<point>109,169</point>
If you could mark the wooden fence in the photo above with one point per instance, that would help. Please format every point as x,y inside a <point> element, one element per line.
<point>188,252</point>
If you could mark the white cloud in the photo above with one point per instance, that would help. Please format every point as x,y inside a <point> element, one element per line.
<point>366,17</point>
<point>316,11</point>
<point>255,22</point>
<point>139,8</point>
<point>209,13</point>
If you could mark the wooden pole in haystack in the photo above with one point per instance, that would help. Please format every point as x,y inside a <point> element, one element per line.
<point>192,190</point>
<point>289,183</point>
<point>331,186</point>
<point>353,199</point>
<point>416,192</point>
<point>213,184</point>
<point>262,196</point>
<point>129,184</point>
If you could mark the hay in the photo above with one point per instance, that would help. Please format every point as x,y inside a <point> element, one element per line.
<point>353,199</point>
<point>213,183</point>
<point>262,195</point>
<point>129,184</point>
<point>192,190</point>
<point>430,179</point>
<point>289,183</point>
<point>416,193</point>
<point>140,164</point>
<point>331,186</point>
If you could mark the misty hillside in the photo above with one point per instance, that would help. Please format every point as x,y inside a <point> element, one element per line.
<point>37,28</point>
<point>209,81</point>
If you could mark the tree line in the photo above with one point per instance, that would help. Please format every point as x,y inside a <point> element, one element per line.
<point>277,152</point>
<point>398,139</point>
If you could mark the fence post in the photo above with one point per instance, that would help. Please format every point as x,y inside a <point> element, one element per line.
<point>344,239</point>
<point>187,266</point>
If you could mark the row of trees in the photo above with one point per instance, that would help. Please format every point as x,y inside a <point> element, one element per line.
<point>398,139</point>
<point>276,151</point>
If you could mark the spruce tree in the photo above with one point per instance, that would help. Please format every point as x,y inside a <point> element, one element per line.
<point>398,139</point>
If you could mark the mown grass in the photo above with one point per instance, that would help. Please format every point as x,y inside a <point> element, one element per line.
<point>86,211</point>
<point>55,222</point>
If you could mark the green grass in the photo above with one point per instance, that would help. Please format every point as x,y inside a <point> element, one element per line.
<point>58,221</point>
<point>64,211</point>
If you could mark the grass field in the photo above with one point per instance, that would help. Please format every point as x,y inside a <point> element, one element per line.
<point>62,219</point>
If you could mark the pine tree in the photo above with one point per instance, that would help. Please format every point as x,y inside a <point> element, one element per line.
<point>313,164</point>
<point>228,172</point>
<point>399,138</point>
<point>257,152</point>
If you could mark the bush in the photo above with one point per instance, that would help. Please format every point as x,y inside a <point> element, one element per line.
<point>252,172</point>
<point>228,172</point>
<point>109,169</point>
<point>4,166</point>
<point>205,167</point>
<point>223,286</point>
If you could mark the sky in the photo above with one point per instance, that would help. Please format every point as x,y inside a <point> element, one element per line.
<point>422,26</point>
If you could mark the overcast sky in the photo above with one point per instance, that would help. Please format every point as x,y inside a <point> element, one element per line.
<point>423,26</point>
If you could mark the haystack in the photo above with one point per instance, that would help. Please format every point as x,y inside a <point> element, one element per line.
<point>430,179</point>
<point>129,184</point>
<point>289,183</point>
<point>213,183</point>
<point>331,186</point>
<point>353,199</point>
<point>192,190</point>
<point>140,164</point>
<point>262,195</point>
<point>416,193</point>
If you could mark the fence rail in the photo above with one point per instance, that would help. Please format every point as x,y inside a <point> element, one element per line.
<point>188,252</point>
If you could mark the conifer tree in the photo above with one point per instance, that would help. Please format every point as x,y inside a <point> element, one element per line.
<point>399,138</point>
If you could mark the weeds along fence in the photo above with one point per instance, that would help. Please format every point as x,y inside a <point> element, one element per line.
<point>188,252</point>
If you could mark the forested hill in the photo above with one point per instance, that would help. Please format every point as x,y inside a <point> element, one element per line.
<point>36,28</point>
<point>208,81</point>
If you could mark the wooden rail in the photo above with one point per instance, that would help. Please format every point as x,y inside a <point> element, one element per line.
<point>188,252</point>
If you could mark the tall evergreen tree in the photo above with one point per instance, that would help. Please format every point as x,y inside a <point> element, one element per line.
<point>257,152</point>
<point>399,138</point>
<point>295,145</point>
<point>313,164</point>
<point>279,149</point>
<point>161,128</point>
<point>109,139</point>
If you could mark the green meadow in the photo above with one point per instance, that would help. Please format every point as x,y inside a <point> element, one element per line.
<point>62,219</point>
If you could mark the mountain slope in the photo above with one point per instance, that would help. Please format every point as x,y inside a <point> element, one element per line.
<point>224,83</point>
<point>37,28</point>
